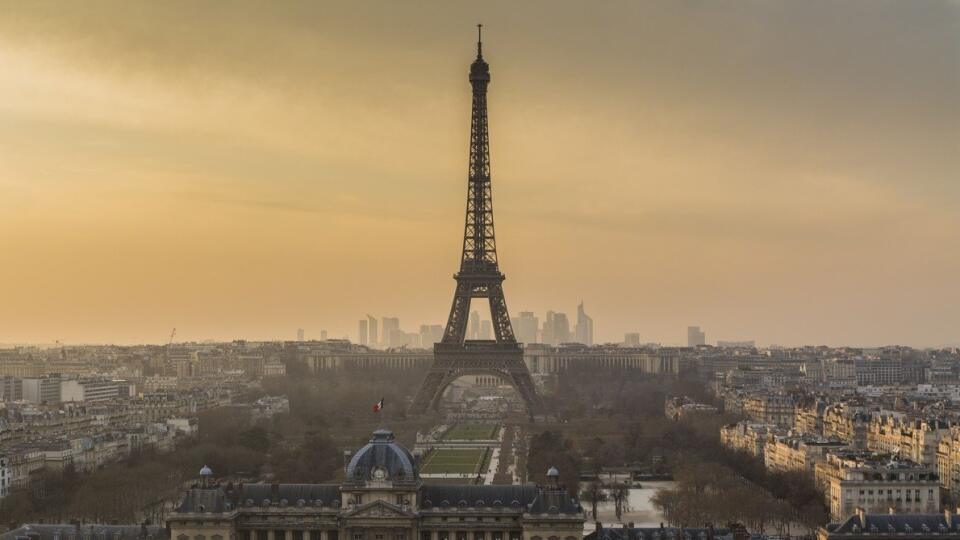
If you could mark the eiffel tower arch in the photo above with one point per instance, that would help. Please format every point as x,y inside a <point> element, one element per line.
<point>479,277</point>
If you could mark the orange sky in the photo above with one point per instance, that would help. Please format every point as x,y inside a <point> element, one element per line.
<point>778,171</point>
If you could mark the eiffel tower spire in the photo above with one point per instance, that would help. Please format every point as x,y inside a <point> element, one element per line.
<point>479,241</point>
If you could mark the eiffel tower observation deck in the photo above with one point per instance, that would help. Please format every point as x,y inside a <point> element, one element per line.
<point>479,277</point>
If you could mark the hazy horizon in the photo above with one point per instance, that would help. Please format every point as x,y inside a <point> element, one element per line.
<point>778,172</point>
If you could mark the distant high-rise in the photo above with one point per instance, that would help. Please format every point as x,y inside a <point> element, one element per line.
<point>486,330</point>
<point>526,327</point>
<point>362,332</point>
<point>430,334</point>
<point>474,331</point>
<point>546,335</point>
<point>323,335</point>
<point>299,334</point>
<point>584,326</point>
<point>695,336</point>
<point>389,325</point>
<point>631,339</point>
<point>372,324</point>
<point>561,328</point>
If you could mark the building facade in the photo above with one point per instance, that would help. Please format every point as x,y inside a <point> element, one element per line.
<point>876,483</point>
<point>381,498</point>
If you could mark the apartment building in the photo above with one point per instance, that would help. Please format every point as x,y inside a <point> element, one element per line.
<point>877,483</point>
<point>749,437</point>
<point>775,409</point>
<point>914,439</point>
<point>847,422</point>
<point>798,453</point>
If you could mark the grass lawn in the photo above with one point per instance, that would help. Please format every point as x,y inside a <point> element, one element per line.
<point>448,460</point>
<point>470,432</point>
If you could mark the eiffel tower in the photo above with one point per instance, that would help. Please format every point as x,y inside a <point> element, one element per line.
<point>479,277</point>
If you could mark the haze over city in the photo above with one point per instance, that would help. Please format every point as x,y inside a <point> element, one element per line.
<point>770,171</point>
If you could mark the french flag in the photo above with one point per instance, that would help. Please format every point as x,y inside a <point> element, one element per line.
<point>378,406</point>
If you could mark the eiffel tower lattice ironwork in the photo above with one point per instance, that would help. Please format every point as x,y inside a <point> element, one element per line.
<point>479,277</point>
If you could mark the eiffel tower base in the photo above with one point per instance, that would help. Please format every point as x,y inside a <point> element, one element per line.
<point>450,362</point>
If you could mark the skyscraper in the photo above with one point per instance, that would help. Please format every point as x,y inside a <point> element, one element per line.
<point>695,336</point>
<point>430,334</point>
<point>486,330</point>
<point>631,339</point>
<point>299,334</point>
<point>584,326</point>
<point>323,335</point>
<point>474,331</point>
<point>547,334</point>
<point>362,332</point>
<point>389,326</point>
<point>527,327</point>
<point>561,328</point>
<point>373,340</point>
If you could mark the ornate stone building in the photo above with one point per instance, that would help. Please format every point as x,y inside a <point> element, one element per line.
<point>381,498</point>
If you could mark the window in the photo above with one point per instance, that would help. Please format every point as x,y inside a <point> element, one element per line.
<point>297,535</point>
<point>478,536</point>
<point>262,535</point>
<point>425,535</point>
<point>357,536</point>
<point>333,535</point>
<point>314,535</point>
<point>399,500</point>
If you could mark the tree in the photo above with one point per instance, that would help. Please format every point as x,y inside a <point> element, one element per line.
<point>255,438</point>
<point>551,449</point>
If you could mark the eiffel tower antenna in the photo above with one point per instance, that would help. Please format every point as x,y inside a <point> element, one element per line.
<point>479,277</point>
<point>479,41</point>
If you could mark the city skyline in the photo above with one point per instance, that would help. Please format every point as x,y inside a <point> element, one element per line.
<point>225,187</point>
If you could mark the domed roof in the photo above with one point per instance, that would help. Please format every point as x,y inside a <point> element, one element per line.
<point>381,459</point>
<point>206,471</point>
<point>552,472</point>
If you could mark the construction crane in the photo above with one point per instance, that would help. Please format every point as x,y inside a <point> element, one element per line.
<point>172,335</point>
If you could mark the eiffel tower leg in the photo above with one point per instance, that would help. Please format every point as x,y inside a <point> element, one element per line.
<point>498,312</point>
<point>528,392</point>
<point>456,329</point>
<point>426,397</point>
